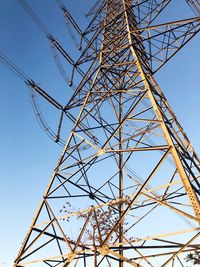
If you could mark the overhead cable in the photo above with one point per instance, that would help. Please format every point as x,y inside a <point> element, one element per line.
<point>13,67</point>
<point>35,18</point>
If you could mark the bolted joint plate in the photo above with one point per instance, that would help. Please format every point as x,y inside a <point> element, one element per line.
<point>70,257</point>
<point>103,250</point>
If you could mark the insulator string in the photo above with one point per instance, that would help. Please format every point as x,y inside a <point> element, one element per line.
<point>75,41</point>
<point>41,120</point>
<point>69,25</point>
<point>61,68</point>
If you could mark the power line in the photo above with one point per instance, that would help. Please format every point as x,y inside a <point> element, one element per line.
<point>35,18</point>
<point>13,67</point>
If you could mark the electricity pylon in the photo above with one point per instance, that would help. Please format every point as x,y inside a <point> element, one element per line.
<point>125,191</point>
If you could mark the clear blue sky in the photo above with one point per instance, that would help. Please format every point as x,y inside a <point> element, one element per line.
<point>28,157</point>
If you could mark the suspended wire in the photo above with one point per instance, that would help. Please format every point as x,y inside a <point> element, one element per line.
<point>187,221</point>
<point>35,18</point>
<point>13,67</point>
<point>91,11</point>
<point>79,5</point>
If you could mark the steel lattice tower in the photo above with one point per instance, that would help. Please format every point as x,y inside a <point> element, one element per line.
<point>125,191</point>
